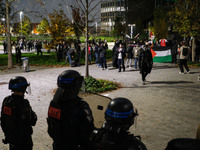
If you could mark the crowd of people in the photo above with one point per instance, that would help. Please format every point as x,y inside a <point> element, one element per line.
<point>134,55</point>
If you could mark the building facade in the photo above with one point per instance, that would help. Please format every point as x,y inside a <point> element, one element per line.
<point>110,10</point>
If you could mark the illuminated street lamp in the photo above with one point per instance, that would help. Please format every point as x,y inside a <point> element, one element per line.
<point>4,23</point>
<point>21,13</point>
<point>131,25</point>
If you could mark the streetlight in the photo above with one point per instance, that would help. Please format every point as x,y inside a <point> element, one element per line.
<point>4,25</point>
<point>131,25</point>
<point>96,28</point>
<point>21,13</point>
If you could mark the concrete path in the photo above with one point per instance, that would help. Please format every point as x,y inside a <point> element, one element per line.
<point>168,105</point>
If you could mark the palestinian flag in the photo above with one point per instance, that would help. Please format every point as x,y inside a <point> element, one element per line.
<point>161,54</point>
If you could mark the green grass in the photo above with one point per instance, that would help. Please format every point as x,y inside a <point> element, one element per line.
<point>47,59</point>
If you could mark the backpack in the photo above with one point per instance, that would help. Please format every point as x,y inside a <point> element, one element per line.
<point>185,52</point>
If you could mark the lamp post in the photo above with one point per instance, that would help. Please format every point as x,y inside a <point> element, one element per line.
<point>96,28</point>
<point>4,20</point>
<point>21,13</point>
<point>131,25</point>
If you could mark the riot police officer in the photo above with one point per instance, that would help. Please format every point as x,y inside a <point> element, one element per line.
<point>70,120</point>
<point>17,116</point>
<point>114,134</point>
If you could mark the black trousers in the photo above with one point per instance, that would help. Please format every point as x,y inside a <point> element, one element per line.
<point>144,74</point>
<point>183,62</point>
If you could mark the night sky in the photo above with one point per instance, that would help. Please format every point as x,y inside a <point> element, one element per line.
<point>50,5</point>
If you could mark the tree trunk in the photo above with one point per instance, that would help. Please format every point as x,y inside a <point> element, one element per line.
<point>86,42</point>
<point>126,20</point>
<point>193,49</point>
<point>9,48</point>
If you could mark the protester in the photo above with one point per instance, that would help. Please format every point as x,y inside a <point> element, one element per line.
<point>18,54</point>
<point>70,55</point>
<point>129,55</point>
<point>39,47</point>
<point>121,56</point>
<point>136,54</point>
<point>115,53</point>
<point>90,50</point>
<point>59,52</point>
<point>96,51</point>
<point>184,54</point>
<point>5,47</point>
<point>102,56</point>
<point>145,62</point>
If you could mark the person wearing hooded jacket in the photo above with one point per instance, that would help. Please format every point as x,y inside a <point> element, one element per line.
<point>70,120</point>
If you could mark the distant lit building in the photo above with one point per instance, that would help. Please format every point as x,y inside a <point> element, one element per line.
<point>110,10</point>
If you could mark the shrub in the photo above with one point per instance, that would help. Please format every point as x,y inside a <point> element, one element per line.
<point>93,85</point>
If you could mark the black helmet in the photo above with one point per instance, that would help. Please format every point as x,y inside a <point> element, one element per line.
<point>69,79</point>
<point>120,112</point>
<point>18,84</point>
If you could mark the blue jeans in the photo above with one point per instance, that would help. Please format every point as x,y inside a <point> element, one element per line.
<point>97,58</point>
<point>70,59</point>
<point>136,59</point>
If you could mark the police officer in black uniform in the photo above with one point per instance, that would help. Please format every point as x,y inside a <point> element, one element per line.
<point>145,62</point>
<point>17,116</point>
<point>70,120</point>
<point>114,134</point>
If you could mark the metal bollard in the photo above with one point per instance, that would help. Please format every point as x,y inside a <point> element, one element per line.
<point>25,65</point>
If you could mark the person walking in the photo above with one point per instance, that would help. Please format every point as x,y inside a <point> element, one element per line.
<point>17,116</point>
<point>184,54</point>
<point>70,120</point>
<point>121,56</point>
<point>145,62</point>
<point>120,115</point>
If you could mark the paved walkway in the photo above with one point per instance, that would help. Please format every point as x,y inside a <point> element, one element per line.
<point>168,104</point>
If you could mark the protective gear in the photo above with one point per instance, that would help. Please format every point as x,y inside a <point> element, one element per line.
<point>104,140</point>
<point>17,119</point>
<point>69,124</point>
<point>120,112</point>
<point>113,134</point>
<point>18,84</point>
<point>70,79</point>
<point>69,83</point>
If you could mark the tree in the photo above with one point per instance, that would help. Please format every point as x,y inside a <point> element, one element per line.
<point>2,28</point>
<point>87,8</point>
<point>78,22</point>
<point>26,26</point>
<point>186,20</point>
<point>58,25</point>
<point>160,24</point>
<point>9,17</point>
<point>43,27</point>
<point>119,28</point>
